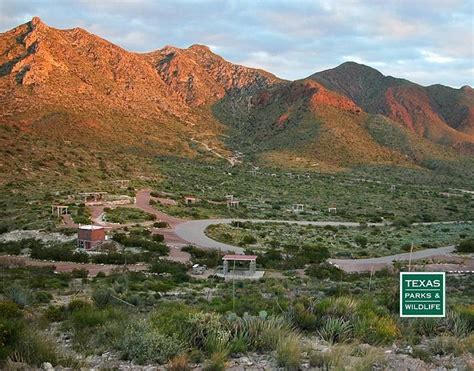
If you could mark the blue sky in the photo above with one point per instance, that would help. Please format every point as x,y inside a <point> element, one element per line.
<point>426,41</point>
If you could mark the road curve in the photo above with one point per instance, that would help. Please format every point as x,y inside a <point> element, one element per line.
<point>194,233</point>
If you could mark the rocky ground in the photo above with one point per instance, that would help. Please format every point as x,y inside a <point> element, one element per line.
<point>348,356</point>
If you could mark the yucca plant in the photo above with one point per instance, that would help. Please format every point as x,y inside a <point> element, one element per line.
<point>335,330</point>
<point>260,333</point>
<point>456,325</point>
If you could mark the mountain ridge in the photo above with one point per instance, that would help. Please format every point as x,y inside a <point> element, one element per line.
<point>73,86</point>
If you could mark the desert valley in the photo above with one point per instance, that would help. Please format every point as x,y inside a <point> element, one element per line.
<point>173,210</point>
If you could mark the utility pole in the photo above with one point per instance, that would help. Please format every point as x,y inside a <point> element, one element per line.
<point>409,260</point>
<point>233,289</point>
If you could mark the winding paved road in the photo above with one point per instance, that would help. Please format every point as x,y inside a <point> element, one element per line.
<point>194,232</point>
<point>184,232</point>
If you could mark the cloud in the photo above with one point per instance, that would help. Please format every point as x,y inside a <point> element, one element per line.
<point>435,57</point>
<point>429,41</point>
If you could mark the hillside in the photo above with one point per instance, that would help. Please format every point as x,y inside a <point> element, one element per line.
<point>303,124</point>
<point>201,77</point>
<point>73,103</point>
<point>439,113</point>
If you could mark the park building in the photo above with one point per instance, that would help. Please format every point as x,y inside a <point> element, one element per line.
<point>89,236</point>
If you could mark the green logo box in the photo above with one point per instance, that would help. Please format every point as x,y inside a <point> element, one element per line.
<point>422,294</point>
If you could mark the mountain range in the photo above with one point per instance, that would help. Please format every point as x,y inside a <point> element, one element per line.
<point>70,99</point>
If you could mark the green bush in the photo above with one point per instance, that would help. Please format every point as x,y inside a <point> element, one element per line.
<point>59,253</point>
<point>42,297</point>
<point>314,254</point>
<point>466,246</point>
<point>374,329</point>
<point>361,240</point>
<point>80,273</point>
<point>56,313</point>
<point>324,271</point>
<point>142,343</point>
<point>160,224</point>
<point>210,258</point>
<point>176,270</point>
<point>102,296</point>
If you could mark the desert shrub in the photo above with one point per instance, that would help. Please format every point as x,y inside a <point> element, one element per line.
<point>468,344</point>
<point>302,317</point>
<point>374,329</point>
<point>102,296</point>
<point>56,313</point>
<point>466,246</point>
<point>445,345</point>
<point>216,362</point>
<point>210,258</point>
<point>171,318</point>
<point>466,312</point>
<point>135,240</point>
<point>176,270</point>
<point>80,273</point>
<point>328,360</point>
<point>324,270</point>
<point>11,247</point>
<point>42,297</point>
<point>342,306</point>
<point>335,330</point>
<point>158,237</point>
<point>77,304</point>
<point>361,240</point>
<point>142,343</point>
<point>115,258</point>
<point>248,240</point>
<point>88,317</point>
<point>60,253</point>
<point>19,295</point>
<point>314,254</point>
<point>367,359</point>
<point>161,224</point>
<point>422,354</point>
<point>179,362</point>
<point>11,326</point>
<point>288,352</point>
<point>453,323</point>
<point>33,348</point>
<point>22,342</point>
<point>206,332</point>
<point>424,326</point>
<point>127,215</point>
<point>260,333</point>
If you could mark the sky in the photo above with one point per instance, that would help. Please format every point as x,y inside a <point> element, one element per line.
<point>425,41</point>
